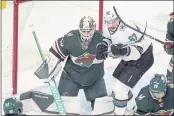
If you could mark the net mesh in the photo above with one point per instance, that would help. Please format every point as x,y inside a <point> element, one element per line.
<point>51,20</point>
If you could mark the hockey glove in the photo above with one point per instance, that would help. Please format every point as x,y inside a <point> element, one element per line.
<point>102,50</point>
<point>169,47</point>
<point>117,50</point>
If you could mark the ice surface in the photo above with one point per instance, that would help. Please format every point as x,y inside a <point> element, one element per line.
<point>54,19</point>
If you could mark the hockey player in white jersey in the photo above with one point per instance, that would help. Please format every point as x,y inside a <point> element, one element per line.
<point>136,59</point>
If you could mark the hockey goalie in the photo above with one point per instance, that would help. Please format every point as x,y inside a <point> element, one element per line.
<point>81,71</point>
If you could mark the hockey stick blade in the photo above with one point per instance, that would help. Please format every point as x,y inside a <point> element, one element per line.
<point>136,29</point>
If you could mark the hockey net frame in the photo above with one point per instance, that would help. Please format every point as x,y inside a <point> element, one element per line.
<point>16,4</point>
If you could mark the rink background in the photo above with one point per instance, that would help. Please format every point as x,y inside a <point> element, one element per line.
<point>50,26</point>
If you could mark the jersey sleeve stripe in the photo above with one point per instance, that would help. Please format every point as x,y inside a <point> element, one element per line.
<point>55,53</point>
<point>172,65</point>
<point>59,51</point>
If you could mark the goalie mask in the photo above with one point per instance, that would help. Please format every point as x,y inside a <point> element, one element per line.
<point>87,27</point>
<point>111,21</point>
<point>158,86</point>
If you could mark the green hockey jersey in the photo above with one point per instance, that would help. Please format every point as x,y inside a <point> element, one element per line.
<point>170,51</point>
<point>146,105</point>
<point>81,65</point>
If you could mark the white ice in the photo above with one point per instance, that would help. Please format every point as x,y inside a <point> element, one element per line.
<point>54,19</point>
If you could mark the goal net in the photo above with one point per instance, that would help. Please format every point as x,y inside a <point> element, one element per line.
<point>51,20</point>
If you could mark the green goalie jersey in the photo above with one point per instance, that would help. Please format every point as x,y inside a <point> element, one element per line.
<point>170,51</point>
<point>81,65</point>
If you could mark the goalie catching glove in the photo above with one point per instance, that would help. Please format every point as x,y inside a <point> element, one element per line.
<point>102,49</point>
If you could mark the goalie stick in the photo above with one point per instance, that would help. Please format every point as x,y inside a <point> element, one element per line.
<point>51,82</point>
<point>170,44</point>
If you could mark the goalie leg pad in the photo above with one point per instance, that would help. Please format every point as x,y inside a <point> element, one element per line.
<point>103,105</point>
<point>72,105</point>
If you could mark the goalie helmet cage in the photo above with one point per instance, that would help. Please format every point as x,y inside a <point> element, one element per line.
<point>16,8</point>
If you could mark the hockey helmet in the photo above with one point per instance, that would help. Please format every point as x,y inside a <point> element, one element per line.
<point>158,86</point>
<point>111,21</point>
<point>12,106</point>
<point>109,15</point>
<point>87,27</point>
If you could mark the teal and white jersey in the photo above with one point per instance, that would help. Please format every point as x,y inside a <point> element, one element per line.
<point>123,35</point>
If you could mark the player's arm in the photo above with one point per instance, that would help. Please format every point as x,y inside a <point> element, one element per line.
<point>142,106</point>
<point>136,106</point>
<point>102,48</point>
<point>170,35</point>
<point>132,52</point>
<point>58,49</point>
<point>51,67</point>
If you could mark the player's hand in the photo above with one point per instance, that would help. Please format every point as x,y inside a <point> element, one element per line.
<point>168,47</point>
<point>102,50</point>
<point>117,50</point>
<point>169,44</point>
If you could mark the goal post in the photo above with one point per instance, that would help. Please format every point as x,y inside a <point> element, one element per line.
<point>17,27</point>
<point>15,47</point>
